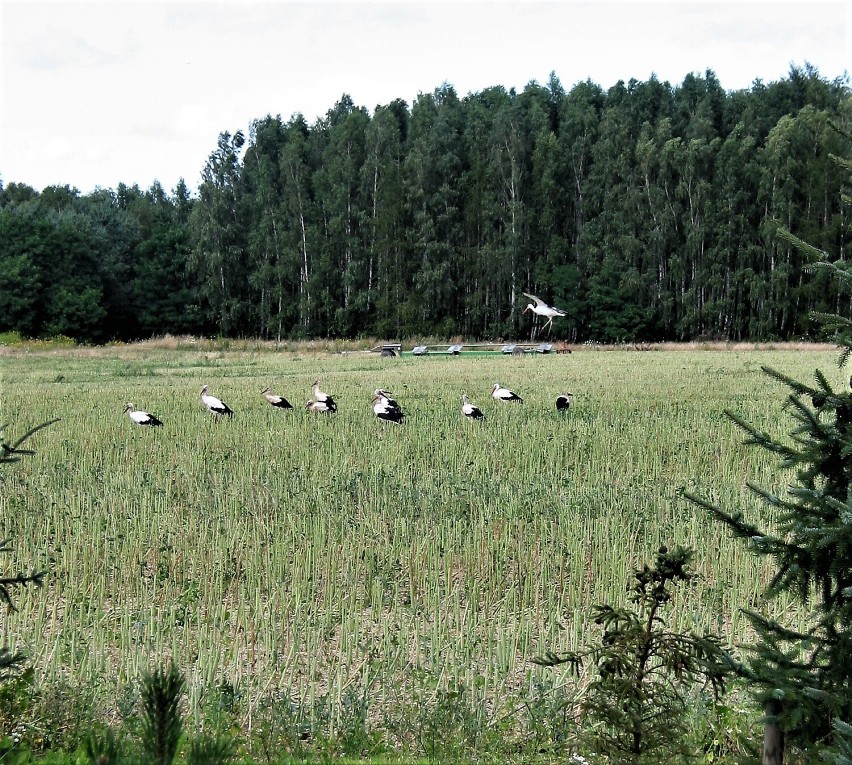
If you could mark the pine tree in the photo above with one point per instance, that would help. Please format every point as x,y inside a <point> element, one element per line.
<point>803,679</point>
<point>162,723</point>
<point>9,453</point>
<point>643,671</point>
<point>843,732</point>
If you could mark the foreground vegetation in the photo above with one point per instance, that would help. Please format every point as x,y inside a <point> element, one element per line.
<point>336,584</point>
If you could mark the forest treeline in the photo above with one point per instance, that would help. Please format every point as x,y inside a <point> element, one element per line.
<point>646,211</point>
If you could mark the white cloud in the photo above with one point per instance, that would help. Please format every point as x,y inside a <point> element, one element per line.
<point>105,92</point>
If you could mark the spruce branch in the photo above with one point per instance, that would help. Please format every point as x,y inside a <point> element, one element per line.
<point>162,724</point>
<point>11,452</point>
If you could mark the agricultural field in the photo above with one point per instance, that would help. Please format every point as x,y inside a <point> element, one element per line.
<point>339,563</point>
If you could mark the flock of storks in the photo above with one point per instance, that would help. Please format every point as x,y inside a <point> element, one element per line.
<point>385,407</point>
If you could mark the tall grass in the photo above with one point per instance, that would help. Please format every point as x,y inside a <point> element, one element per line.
<point>286,552</point>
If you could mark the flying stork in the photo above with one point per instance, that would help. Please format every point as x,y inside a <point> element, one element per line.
<point>214,405</point>
<point>504,394</point>
<point>563,402</point>
<point>142,418</point>
<point>279,402</point>
<point>539,307</point>
<point>469,410</point>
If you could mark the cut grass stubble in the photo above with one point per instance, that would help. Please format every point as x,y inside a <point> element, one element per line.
<point>314,555</point>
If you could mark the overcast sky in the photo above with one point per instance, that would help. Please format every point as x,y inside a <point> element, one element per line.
<point>94,94</point>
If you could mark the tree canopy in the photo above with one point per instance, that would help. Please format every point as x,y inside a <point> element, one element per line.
<point>646,211</point>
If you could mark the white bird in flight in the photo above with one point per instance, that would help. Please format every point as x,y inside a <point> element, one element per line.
<point>541,308</point>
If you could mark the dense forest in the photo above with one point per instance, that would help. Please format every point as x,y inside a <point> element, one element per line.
<point>646,211</point>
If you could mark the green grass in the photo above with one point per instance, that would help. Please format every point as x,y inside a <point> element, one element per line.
<point>336,557</point>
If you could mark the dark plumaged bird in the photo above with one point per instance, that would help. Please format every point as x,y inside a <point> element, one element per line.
<point>142,418</point>
<point>387,409</point>
<point>563,401</point>
<point>279,402</point>
<point>470,410</point>
<point>320,407</point>
<point>215,405</point>
<point>504,394</point>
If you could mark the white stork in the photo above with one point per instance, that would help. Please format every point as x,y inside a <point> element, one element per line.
<point>563,402</point>
<point>142,418</point>
<point>214,405</point>
<point>539,307</point>
<point>320,407</point>
<point>322,397</point>
<point>470,410</point>
<point>279,402</point>
<point>386,408</point>
<point>386,395</point>
<point>504,394</point>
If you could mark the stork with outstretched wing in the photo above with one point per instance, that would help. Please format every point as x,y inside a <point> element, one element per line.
<point>539,307</point>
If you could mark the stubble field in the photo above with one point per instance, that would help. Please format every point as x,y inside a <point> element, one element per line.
<point>337,560</point>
